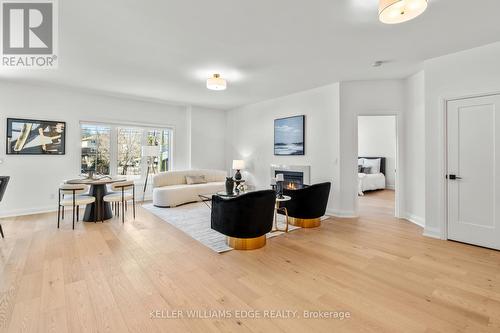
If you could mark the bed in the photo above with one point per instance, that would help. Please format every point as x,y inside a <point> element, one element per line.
<point>372,180</point>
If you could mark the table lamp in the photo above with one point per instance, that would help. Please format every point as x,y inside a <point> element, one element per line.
<point>238,165</point>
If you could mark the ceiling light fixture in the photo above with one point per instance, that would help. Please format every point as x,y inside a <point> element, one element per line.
<point>399,11</point>
<point>216,83</point>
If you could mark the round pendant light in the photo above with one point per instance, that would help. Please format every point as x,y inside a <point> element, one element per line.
<point>216,83</point>
<point>399,11</point>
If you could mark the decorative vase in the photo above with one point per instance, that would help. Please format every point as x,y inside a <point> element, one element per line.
<point>237,175</point>
<point>91,174</point>
<point>229,185</point>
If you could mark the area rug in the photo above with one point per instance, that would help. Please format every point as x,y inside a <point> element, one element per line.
<point>194,220</point>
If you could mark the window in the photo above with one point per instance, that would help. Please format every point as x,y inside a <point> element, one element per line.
<point>95,149</point>
<point>128,162</point>
<point>116,150</point>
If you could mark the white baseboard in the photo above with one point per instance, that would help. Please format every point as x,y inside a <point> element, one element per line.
<point>49,209</point>
<point>27,211</point>
<point>415,219</point>
<point>341,213</point>
<point>432,233</point>
<point>390,187</point>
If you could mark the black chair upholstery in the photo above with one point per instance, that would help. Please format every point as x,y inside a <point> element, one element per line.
<point>248,215</point>
<point>4,180</point>
<point>307,203</point>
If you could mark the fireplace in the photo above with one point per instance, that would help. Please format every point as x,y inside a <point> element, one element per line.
<point>293,179</point>
<point>296,176</point>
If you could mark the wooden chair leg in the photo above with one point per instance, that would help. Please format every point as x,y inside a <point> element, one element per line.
<point>123,212</point>
<point>133,206</point>
<point>62,213</point>
<point>58,215</point>
<point>1,231</point>
<point>77,213</point>
<point>74,217</point>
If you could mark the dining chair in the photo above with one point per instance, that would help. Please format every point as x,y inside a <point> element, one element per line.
<point>4,180</point>
<point>73,195</point>
<point>121,195</point>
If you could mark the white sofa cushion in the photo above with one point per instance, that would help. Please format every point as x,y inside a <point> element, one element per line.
<point>175,195</point>
<point>179,177</point>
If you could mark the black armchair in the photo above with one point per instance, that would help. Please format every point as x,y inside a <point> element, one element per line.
<point>4,180</point>
<point>307,205</point>
<point>245,219</point>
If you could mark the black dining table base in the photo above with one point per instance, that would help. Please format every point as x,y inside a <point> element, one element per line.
<point>91,214</point>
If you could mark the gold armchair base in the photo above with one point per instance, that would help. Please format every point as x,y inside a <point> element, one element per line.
<point>246,243</point>
<point>305,223</point>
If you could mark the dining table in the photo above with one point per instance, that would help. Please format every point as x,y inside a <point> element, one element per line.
<point>98,189</point>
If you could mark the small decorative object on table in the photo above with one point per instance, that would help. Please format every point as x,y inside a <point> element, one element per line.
<point>279,185</point>
<point>238,165</point>
<point>229,185</point>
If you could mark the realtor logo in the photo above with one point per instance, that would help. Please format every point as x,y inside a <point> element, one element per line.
<point>29,34</point>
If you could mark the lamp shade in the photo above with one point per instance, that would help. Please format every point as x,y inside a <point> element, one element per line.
<point>150,151</point>
<point>399,11</point>
<point>238,164</point>
<point>216,83</point>
<point>280,177</point>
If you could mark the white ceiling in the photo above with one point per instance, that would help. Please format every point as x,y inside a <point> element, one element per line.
<point>265,48</point>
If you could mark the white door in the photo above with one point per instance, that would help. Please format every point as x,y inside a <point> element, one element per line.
<point>474,171</point>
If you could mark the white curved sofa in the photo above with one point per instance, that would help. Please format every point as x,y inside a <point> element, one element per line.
<point>170,188</point>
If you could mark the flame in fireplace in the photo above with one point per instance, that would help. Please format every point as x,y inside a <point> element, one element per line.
<point>291,186</point>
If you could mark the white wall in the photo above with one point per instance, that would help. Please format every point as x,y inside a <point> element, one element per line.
<point>466,73</point>
<point>250,132</point>
<point>377,137</point>
<point>358,98</point>
<point>208,133</point>
<point>34,179</point>
<point>414,149</point>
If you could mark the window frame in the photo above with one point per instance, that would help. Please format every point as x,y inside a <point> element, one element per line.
<point>113,149</point>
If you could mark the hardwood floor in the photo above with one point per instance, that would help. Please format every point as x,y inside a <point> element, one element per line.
<point>109,277</point>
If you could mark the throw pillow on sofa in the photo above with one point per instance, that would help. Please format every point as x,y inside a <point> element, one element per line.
<point>190,180</point>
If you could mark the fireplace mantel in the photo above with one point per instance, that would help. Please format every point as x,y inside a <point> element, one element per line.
<point>305,169</point>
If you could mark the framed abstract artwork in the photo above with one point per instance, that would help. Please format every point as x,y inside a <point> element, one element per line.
<point>289,136</point>
<point>35,137</point>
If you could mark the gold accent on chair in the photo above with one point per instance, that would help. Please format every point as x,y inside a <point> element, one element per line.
<point>305,223</point>
<point>246,243</point>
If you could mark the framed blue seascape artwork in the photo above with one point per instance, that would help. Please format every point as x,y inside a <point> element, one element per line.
<point>289,136</point>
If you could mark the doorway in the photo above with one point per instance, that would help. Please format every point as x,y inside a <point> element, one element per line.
<point>377,164</point>
<point>472,169</point>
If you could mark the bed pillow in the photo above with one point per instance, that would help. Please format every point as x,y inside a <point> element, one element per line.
<point>190,180</point>
<point>374,164</point>
<point>366,170</point>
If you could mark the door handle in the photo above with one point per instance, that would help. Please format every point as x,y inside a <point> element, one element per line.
<point>454,177</point>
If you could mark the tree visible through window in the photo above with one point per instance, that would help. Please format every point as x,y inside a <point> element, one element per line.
<point>129,159</point>
<point>95,149</point>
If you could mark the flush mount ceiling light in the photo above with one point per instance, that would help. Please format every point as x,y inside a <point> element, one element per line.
<point>399,11</point>
<point>216,83</point>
